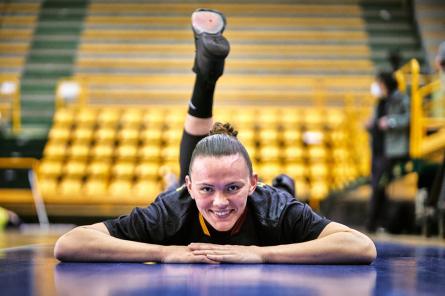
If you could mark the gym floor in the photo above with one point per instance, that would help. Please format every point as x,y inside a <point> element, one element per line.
<point>405,266</point>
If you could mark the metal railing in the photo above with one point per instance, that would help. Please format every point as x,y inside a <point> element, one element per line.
<point>421,143</point>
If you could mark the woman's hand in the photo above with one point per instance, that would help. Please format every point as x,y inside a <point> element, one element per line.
<point>383,123</point>
<point>183,254</point>
<point>228,253</point>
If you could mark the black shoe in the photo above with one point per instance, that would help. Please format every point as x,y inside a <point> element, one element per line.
<point>211,46</point>
<point>285,183</point>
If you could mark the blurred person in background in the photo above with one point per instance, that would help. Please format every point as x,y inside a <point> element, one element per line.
<point>389,131</point>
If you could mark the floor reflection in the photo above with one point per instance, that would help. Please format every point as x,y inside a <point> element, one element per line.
<point>398,270</point>
<point>118,279</point>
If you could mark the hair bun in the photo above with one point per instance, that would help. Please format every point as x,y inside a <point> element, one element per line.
<point>224,129</point>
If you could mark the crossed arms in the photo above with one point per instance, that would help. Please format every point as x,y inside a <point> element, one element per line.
<point>336,244</point>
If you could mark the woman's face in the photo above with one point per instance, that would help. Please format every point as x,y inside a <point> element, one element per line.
<point>220,187</point>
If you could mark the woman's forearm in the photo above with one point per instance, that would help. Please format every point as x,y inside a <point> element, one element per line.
<point>348,247</point>
<point>88,244</point>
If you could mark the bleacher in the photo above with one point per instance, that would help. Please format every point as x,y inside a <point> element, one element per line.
<point>143,52</point>
<point>111,155</point>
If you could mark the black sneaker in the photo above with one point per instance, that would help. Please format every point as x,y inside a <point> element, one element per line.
<point>285,183</point>
<point>211,46</point>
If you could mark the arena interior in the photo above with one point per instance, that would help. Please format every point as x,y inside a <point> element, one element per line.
<point>93,97</point>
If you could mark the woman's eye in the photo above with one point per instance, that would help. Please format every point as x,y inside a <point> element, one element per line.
<point>232,188</point>
<point>206,189</point>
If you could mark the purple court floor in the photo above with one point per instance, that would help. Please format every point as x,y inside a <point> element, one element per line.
<point>399,270</point>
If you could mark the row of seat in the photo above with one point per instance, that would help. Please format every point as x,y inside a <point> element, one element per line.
<point>18,21</point>
<point>263,151</point>
<point>154,135</point>
<point>153,170</point>
<point>271,153</point>
<point>124,191</point>
<point>155,116</point>
<point>229,8</point>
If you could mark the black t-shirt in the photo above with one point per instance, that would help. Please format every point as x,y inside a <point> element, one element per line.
<point>272,217</point>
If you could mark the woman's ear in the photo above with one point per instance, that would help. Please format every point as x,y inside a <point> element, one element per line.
<point>253,183</point>
<point>188,183</point>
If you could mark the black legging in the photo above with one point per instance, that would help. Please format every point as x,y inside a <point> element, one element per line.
<point>188,144</point>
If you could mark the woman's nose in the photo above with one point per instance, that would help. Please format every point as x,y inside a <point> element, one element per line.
<point>220,200</point>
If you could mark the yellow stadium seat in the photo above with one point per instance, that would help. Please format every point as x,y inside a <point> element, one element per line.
<point>102,151</point>
<point>297,171</point>
<point>245,119</point>
<point>172,136</point>
<point>292,136</point>
<point>154,118</point>
<point>338,137</point>
<point>123,170</point>
<point>132,117</point>
<point>78,151</point>
<point>340,154</point>
<point>150,152</point>
<point>319,190</point>
<point>335,117</point>
<point>151,136</point>
<point>301,190</point>
<point>121,188</point>
<point>175,119</point>
<point>292,118</point>
<point>86,116</point>
<point>247,136</point>
<point>54,150</point>
<point>105,135</point>
<point>147,170</point>
<point>269,153</point>
<point>317,153</point>
<point>268,171</point>
<point>47,186</point>
<point>99,169</point>
<point>127,151</point>
<point>268,117</point>
<point>268,136</point>
<point>74,168</point>
<point>82,134</point>
<point>170,153</point>
<point>64,117</point>
<point>318,171</point>
<point>60,133</point>
<point>128,135</point>
<point>50,168</point>
<point>346,171</point>
<point>252,151</point>
<point>293,153</point>
<point>313,118</point>
<point>108,117</point>
<point>147,189</point>
<point>70,187</point>
<point>169,166</point>
<point>96,187</point>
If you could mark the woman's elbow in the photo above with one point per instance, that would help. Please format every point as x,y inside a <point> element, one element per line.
<point>65,247</point>
<point>60,249</point>
<point>368,251</point>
